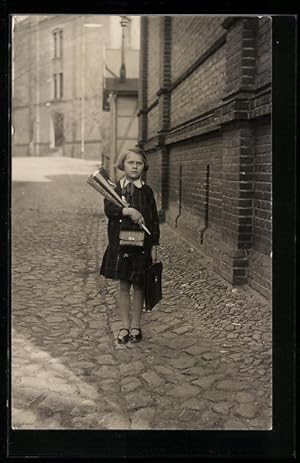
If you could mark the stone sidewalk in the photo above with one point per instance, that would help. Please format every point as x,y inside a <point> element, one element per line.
<point>204,363</point>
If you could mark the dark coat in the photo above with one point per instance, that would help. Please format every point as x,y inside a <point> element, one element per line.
<point>130,264</point>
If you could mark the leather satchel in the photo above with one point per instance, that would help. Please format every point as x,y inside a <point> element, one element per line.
<point>131,238</point>
<point>153,289</point>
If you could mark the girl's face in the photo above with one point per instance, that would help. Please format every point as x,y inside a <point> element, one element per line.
<point>133,165</point>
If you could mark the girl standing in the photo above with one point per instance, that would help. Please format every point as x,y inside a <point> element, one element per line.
<point>123,261</point>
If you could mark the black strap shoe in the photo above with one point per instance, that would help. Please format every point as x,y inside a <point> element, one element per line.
<point>123,339</point>
<point>136,337</point>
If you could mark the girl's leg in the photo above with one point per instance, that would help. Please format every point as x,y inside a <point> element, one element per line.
<point>137,305</point>
<point>124,303</point>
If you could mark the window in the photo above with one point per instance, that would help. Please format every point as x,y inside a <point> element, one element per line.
<point>55,43</point>
<point>61,85</point>
<point>54,86</point>
<point>58,86</point>
<point>58,44</point>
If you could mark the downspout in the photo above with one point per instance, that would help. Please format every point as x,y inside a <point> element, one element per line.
<point>202,231</point>
<point>180,196</point>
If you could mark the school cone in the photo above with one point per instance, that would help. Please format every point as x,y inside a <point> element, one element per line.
<point>101,182</point>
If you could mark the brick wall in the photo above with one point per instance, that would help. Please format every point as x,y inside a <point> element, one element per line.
<point>237,194</point>
<point>197,214</point>
<point>208,138</point>
<point>201,91</point>
<point>153,122</point>
<point>263,187</point>
<point>260,269</point>
<point>153,57</point>
<point>194,158</point>
<point>263,54</point>
<point>259,261</point>
<point>191,36</point>
<point>154,176</point>
<point>234,57</point>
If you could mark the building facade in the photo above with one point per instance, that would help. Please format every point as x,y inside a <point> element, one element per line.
<point>121,99</point>
<point>205,123</point>
<point>59,68</point>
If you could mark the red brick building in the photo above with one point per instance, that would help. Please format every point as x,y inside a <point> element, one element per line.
<point>205,123</point>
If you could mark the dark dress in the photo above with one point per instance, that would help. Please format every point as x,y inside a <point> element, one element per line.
<point>129,263</point>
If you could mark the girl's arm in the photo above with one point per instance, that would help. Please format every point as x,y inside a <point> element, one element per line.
<point>117,212</point>
<point>111,210</point>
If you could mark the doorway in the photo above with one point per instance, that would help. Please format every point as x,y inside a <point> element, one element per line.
<point>57,136</point>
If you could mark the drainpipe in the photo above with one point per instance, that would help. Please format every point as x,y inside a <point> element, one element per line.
<point>202,231</point>
<point>180,196</point>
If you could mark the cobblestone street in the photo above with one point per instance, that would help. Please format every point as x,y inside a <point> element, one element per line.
<point>204,363</point>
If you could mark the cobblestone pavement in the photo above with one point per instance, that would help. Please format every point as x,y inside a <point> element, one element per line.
<point>204,363</point>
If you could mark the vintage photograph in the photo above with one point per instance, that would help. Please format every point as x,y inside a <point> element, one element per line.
<point>141,229</point>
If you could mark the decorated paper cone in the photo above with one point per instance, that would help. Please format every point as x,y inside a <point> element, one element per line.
<point>103,186</point>
<point>101,190</point>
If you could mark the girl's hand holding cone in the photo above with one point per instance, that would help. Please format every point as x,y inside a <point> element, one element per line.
<point>98,181</point>
<point>134,214</point>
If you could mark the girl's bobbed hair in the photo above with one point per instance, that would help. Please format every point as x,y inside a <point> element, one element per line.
<point>122,157</point>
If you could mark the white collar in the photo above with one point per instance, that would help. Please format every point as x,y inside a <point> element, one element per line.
<point>138,183</point>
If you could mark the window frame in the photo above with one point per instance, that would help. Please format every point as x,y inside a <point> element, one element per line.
<point>55,86</point>
<point>61,85</point>
<point>58,48</point>
<point>58,86</point>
